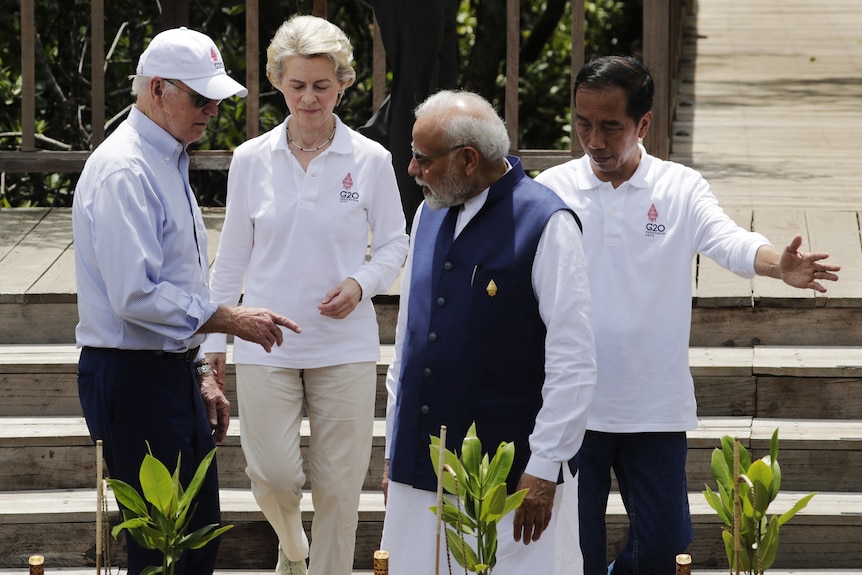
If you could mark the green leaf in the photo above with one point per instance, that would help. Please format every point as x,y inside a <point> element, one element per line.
<point>494,504</point>
<point>715,502</point>
<point>135,523</point>
<point>769,544</point>
<point>799,505</point>
<point>202,536</point>
<point>743,561</point>
<point>501,464</point>
<point>471,452</point>
<point>761,476</point>
<point>128,497</point>
<point>721,472</point>
<point>461,552</point>
<point>776,474</point>
<point>514,500</point>
<point>157,484</point>
<point>727,449</point>
<point>152,570</point>
<point>491,550</point>
<point>773,446</point>
<point>452,516</point>
<point>197,481</point>
<point>454,463</point>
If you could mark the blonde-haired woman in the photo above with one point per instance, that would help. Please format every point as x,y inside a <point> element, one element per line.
<point>301,201</point>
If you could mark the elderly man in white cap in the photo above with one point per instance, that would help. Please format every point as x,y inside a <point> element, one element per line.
<point>143,297</point>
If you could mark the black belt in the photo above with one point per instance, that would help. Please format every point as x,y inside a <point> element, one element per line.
<point>187,355</point>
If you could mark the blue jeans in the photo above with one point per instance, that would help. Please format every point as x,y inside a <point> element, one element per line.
<point>650,471</point>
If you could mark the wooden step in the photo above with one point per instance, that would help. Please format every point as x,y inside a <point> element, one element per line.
<point>51,318</point>
<point>38,295</point>
<point>764,382</point>
<point>816,455</point>
<point>57,453</point>
<point>41,379</point>
<point>60,525</point>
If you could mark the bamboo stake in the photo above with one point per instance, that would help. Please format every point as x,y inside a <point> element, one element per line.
<point>683,564</point>
<point>37,565</point>
<point>737,511</point>
<point>441,458</point>
<point>100,497</point>
<point>381,562</point>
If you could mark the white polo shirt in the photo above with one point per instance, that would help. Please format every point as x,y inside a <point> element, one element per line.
<point>640,239</point>
<point>291,235</point>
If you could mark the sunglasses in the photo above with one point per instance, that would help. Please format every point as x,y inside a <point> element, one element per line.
<point>199,100</point>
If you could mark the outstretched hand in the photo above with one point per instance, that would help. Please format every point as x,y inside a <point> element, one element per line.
<point>254,324</point>
<point>261,326</point>
<point>802,270</point>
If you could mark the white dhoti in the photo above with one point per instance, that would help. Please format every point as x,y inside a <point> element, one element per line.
<point>409,535</point>
<point>569,560</point>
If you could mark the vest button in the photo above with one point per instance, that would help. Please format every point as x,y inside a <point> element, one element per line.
<point>425,410</point>
<point>448,266</point>
<point>441,301</point>
<point>432,337</point>
<point>426,372</point>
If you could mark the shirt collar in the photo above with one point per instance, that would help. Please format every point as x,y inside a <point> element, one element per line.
<point>161,140</point>
<point>588,180</point>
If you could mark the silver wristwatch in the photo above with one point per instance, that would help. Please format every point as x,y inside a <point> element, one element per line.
<point>203,368</point>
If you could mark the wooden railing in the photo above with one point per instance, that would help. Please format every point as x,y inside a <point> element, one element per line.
<point>663,23</point>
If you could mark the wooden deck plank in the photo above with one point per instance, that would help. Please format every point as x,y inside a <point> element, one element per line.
<point>724,361</point>
<point>57,284</point>
<point>34,254</point>
<point>779,227</point>
<point>837,233</point>
<point>760,93</point>
<point>15,224</point>
<point>795,397</point>
<point>808,361</point>
<point>814,434</point>
<point>213,220</point>
<point>49,276</point>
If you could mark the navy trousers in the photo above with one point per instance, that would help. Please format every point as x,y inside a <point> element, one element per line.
<point>131,398</point>
<point>650,471</point>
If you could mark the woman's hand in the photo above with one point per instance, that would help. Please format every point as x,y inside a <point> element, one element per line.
<point>341,300</point>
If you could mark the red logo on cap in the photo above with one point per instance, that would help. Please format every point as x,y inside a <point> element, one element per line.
<point>213,55</point>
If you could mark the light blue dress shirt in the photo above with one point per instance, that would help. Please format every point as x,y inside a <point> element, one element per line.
<point>140,245</point>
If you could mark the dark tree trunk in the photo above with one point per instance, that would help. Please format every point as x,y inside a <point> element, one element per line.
<point>489,50</point>
<point>543,30</point>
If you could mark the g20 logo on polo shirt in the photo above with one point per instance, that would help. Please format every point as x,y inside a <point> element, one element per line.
<point>347,193</point>
<point>653,228</point>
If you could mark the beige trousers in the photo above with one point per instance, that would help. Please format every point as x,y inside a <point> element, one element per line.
<point>340,405</point>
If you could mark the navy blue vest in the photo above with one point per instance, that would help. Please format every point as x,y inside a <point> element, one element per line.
<point>469,355</point>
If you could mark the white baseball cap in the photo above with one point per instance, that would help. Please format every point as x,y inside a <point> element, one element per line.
<point>192,57</point>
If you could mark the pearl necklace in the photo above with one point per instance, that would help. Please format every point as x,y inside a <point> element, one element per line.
<point>301,149</point>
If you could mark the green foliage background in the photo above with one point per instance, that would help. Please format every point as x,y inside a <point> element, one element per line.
<point>63,102</point>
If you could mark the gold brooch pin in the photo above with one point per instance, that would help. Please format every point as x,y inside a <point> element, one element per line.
<point>491,289</point>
